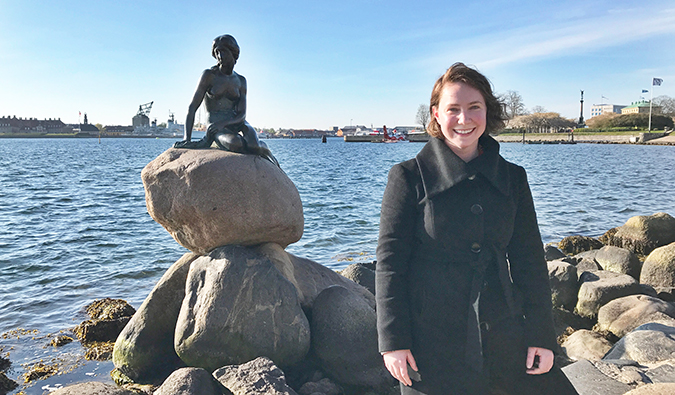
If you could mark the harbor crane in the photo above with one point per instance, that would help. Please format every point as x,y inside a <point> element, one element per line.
<point>144,109</point>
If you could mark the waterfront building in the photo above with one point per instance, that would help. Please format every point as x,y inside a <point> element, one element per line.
<point>640,107</point>
<point>14,125</point>
<point>601,109</point>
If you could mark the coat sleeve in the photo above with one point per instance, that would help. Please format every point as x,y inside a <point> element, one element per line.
<point>530,271</point>
<point>397,225</point>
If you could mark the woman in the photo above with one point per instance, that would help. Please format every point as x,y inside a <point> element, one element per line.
<point>462,285</point>
<point>224,92</point>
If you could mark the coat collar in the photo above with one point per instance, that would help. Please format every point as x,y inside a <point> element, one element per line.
<point>441,169</point>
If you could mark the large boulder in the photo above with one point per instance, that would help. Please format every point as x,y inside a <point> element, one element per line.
<point>237,307</point>
<point>564,284</point>
<point>598,288</point>
<point>361,274</point>
<point>659,271</point>
<point>344,339</point>
<point>647,344</point>
<point>619,260</point>
<point>257,377</point>
<point>92,388</point>
<point>211,198</point>
<point>585,344</point>
<point>642,234</point>
<point>623,315</point>
<point>654,389</point>
<point>588,379</point>
<point>144,351</point>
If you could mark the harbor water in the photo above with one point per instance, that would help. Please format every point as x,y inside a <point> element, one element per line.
<point>74,226</point>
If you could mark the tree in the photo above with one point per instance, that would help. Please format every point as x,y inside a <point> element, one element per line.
<point>666,103</point>
<point>542,122</point>
<point>423,115</point>
<point>538,110</point>
<point>513,104</point>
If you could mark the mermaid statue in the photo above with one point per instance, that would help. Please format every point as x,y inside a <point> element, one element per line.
<point>224,94</point>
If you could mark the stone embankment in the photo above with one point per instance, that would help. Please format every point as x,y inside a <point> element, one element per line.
<point>240,315</point>
<point>565,138</point>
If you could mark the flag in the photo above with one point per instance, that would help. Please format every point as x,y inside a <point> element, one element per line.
<point>644,91</point>
<point>657,81</point>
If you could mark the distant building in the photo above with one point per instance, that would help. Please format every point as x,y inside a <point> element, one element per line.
<point>640,107</point>
<point>13,124</point>
<point>118,130</point>
<point>601,109</point>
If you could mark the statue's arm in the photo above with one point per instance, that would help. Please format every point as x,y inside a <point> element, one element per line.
<point>202,88</point>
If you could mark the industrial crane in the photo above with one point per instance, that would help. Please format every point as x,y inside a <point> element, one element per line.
<point>144,109</point>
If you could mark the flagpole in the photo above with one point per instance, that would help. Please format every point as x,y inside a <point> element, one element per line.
<point>651,94</point>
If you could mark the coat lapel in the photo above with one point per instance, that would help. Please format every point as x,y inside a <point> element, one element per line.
<point>441,169</point>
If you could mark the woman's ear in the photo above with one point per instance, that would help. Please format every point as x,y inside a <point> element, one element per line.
<point>434,111</point>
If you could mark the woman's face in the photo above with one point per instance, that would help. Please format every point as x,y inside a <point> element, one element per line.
<point>461,113</point>
<point>224,55</point>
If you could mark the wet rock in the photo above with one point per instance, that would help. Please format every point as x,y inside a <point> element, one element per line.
<point>61,340</point>
<point>598,288</point>
<point>92,388</point>
<point>362,275</point>
<point>564,284</point>
<point>658,271</point>
<point>259,376</point>
<point>642,234</point>
<point>191,381</point>
<point>4,363</point>
<point>587,379</point>
<point>324,386</point>
<point>344,339</point>
<point>91,331</point>
<point>40,370</point>
<point>619,260</point>
<point>99,351</point>
<point>551,253</point>
<point>621,316</point>
<point>109,309</point>
<point>211,198</point>
<point>585,344</point>
<point>576,244</point>
<point>7,384</point>
<point>144,351</point>
<point>238,306</point>
<point>647,344</point>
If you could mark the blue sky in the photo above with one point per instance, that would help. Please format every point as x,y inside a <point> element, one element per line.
<point>317,64</point>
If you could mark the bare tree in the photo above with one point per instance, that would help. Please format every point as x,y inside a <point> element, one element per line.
<point>423,115</point>
<point>513,104</point>
<point>666,103</point>
<point>538,110</point>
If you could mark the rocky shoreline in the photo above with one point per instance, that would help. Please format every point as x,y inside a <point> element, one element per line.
<point>240,315</point>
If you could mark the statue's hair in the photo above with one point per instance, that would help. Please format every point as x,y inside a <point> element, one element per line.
<point>227,41</point>
<point>459,72</point>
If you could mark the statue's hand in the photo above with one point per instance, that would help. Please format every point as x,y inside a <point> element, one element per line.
<point>180,144</point>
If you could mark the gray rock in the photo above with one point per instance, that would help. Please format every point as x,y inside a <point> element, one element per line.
<point>664,373</point>
<point>324,386</point>
<point>210,198</point>
<point>627,372</point>
<point>619,260</point>
<point>564,284</point>
<point>191,381</point>
<point>659,271</point>
<point>92,388</point>
<point>654,389</point>
<point>588,380</point>
<point>551,253</point>
<point>598,288</point>
<point>642,234</point>
<point>585,344</point>
<point>647,344</point>
<point>309,277</point>
<point>361,275</point>
<point>344,339</point>
<point>577,244</point>
<point>238,306</point>
<point>259,376</point>
<point>145,350</point>
<point>621,316</point>
<point>587,265</point>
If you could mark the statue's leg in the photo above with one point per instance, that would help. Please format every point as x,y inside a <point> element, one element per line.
<point>254,145</point>
<point>230,142</point>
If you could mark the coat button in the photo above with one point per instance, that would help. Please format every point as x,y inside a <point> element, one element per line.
<point>475,248</point>
<point>485,326</point>
<point>472,177</point>
<point>477,209</point>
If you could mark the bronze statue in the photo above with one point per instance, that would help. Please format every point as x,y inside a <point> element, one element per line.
<point>224,92</point>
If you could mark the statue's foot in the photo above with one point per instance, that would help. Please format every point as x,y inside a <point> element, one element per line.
<point>200,144</point>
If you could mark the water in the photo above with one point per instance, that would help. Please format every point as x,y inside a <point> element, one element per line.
<point>74,225</point>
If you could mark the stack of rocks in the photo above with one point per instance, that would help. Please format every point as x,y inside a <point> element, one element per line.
<point>238,296</point>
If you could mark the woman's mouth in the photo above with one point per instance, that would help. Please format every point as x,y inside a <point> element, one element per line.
<point>463,131</point>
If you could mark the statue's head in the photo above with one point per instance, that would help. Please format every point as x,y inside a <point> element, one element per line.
<point>226,41</point>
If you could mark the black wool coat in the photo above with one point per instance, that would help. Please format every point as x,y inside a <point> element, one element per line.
<point>439,217</point>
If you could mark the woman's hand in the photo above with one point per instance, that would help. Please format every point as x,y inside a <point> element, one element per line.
<point>545,360</point>
<point>397,364</point>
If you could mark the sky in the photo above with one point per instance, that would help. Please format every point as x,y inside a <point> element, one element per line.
<point>319,64</point>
